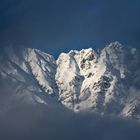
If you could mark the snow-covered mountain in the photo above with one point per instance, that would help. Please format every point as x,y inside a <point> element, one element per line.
<point>29,75</point>
<point>105,81</point>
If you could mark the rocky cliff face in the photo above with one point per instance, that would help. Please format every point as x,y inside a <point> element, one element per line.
<point>105,82</point>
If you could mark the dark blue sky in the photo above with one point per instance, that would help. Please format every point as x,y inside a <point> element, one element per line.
<point>61,25</point>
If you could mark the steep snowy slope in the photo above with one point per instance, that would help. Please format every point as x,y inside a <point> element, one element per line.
<point>99,82</point>
<point>106,82</point>
<point>31,73</point>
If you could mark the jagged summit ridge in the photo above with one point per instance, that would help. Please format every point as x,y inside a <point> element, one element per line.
<point>83,80</point>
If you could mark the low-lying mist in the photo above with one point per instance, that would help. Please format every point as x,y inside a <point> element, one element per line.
<point>39,122</point>
<point>19,121</point>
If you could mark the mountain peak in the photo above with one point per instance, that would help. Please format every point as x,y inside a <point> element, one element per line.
<point>115,44</point>
<point>80,80</point>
